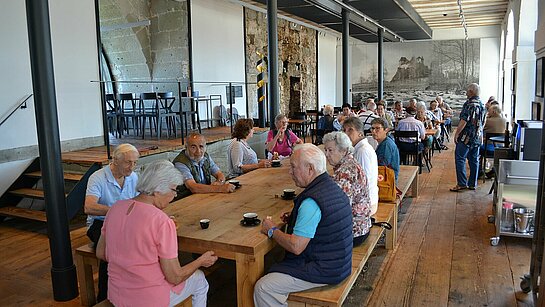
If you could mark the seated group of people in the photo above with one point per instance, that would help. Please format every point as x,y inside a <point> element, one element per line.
<point>139,265</point>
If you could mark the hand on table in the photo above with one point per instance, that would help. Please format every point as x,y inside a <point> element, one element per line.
<point>285,217</point>
<point>264,163</point>
<point>228,188</point>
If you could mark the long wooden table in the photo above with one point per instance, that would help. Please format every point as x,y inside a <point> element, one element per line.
<point>260,192</point>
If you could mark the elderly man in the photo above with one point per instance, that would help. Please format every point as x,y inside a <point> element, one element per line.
<point>198,168</point>
<point>318,240</point>
<point>114,182</point>
<point>410,123</point>
<point>346,113</point>
<point>468,139</point>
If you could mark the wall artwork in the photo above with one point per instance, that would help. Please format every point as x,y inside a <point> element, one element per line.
<point>421,70</point>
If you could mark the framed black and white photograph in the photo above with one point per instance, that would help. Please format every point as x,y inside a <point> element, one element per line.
<point>539,77</point>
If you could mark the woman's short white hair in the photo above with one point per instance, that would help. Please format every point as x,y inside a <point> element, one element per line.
<point>342,141</point>
<point>159,176</point>
<point>328,109</point>
<point>494,111</point>
<point>122,149</point>
<point>311,154</point>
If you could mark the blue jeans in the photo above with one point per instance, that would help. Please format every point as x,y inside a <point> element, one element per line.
<point>461,153</point>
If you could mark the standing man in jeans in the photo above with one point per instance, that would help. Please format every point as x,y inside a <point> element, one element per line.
<point>468,139</point>
<point>116,181</point>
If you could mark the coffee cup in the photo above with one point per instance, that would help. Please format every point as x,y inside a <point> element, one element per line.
<point>205,223</point>
<point>289,192</point>
<point>235,182</point>
<point>250,217</point>
<point>275,163</point>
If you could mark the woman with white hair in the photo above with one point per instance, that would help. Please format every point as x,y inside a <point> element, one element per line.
<point>350,177</point>
<point>139,242</point>
<point>281,140</point>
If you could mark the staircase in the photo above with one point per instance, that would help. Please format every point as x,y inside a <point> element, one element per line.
<point>76,175</point>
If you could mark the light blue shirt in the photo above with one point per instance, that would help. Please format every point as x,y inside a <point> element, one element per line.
<point>103,185</point>
<point>186,172</point>
<point>308,217</point>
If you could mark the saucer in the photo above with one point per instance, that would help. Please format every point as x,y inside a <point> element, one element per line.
<point>288,197</point>
<point>243,223</point>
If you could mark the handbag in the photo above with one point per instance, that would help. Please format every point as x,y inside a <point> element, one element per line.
<point>386,184</point>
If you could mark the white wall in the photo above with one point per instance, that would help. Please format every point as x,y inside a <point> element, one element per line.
<point>327,72</point>
<point>75,65</point>
<point>489,68</point>
<point>217,33</point>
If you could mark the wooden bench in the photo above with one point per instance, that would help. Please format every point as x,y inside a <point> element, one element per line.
<point>106,303</point>
<point>386,212</point>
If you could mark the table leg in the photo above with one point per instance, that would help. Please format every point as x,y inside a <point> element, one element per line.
<point>391,235</point>
<point>414,186</point>
<point>249,269</point>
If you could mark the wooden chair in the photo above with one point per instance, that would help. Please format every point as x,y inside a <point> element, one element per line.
<point>416,152</point>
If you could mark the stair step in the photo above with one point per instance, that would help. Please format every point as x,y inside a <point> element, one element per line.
<point>30,193</point>
<point>23,213</point>
<point>67,175</point>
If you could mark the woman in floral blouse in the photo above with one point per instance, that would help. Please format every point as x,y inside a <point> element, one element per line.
<point>350,177</point>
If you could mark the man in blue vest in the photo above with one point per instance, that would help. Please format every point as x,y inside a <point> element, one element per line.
<point>318,240</point>
<point>198,168</point>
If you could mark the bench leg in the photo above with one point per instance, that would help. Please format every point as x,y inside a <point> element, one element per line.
<point>249,270</point>
<point>414,186</point>
<point>86,282</point>
<point>391,235</point>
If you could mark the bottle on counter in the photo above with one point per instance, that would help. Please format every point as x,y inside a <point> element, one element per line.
<point>507,136</point>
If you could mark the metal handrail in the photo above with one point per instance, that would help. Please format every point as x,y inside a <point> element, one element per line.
<point>21,105</point>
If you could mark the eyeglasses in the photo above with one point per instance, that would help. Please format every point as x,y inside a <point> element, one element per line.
<point>376,128</point>
<point>175,192</point>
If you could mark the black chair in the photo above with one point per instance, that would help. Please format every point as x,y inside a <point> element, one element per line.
<point>300,128</point>
<point>153,107</point>
<point>128,110</point>
<point>112,109</point>
<point>410,149</point>
<point>485,153</point>
<point>189,114</point>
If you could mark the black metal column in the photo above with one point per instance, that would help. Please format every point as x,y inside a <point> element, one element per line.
<point>346,56</point>
<point>380,85</point>
<point>272,26</point>
<point>63,271</point>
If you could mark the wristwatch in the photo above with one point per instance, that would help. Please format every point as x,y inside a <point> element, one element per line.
<point>271,232</point>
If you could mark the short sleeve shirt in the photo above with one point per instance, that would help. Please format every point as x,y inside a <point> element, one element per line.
<point>133,253</point>
<point>473,113</point>
<point>283,147</point>
<point>308,217</point>
<point>239,153</point>
<point>186,172</point>
<point>103,185</point>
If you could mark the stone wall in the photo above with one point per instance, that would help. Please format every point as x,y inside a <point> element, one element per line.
<point>158,52</point>
<point>297,62</point>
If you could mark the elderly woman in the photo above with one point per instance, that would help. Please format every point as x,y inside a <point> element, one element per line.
<point>139,242</point>
<point>240,156</point>
<point>387,152</point>
<point>281,139</point>
<point>385,114</point>
<point>350,177</point>
<point>366,157</point>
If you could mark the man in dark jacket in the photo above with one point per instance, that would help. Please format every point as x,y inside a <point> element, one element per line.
<point>318,240</point>
<point>198,168</point>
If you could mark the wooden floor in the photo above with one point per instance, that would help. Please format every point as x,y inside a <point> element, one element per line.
<point>443,256</point>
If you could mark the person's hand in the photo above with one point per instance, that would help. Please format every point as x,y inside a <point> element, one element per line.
<point>266,225</point>
<point>228,188</point>
<point>208,259</point>
<point>217,182</point>
<point>285,217</point>
<point>173,218</point>
<point>264,163</point>
<point>456,139</point>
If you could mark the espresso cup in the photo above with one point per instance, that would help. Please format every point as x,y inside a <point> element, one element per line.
<point>205,223</point>
<point>275,163</point>
<point>234,182</point>
<point>250,217</point>
<point>289,192</point>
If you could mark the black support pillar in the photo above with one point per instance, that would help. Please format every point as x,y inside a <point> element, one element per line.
<point>380,85</point>
<point>346,56</point>
<point>272,25</point>
<point>63,271</point>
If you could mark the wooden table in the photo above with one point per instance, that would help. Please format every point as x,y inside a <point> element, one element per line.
<point>225,236</point>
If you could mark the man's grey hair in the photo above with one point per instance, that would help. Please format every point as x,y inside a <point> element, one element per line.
<point>494,111</point>
<point>159,176</point>
<point>474,88</point>
<point>371,106</point>
<point>380,121</point>
<point>312,155</point>
<point>438,99</point>
<point>122,149</point>
<point>342,141</point>
<point>421,106</point>
<point>355,123</point>
<point>328,109</point>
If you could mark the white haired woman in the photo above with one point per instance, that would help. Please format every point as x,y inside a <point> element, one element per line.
<point>139,242</point>
<point>281,139</point>
<point>350,177</point>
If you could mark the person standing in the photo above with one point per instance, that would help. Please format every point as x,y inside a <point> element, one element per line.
<point>468,139</point>
<point>116,181</point>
